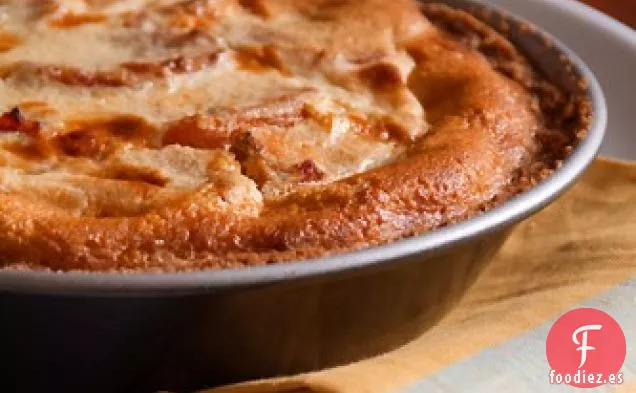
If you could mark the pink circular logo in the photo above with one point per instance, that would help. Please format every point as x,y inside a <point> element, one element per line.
<point>586,348</point>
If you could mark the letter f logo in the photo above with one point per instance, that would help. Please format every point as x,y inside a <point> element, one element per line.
<point>583,344</point>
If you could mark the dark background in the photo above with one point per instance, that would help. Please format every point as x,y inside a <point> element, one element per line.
<point>623,10</point>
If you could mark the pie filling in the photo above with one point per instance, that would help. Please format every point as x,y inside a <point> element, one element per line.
<point>140,135</point>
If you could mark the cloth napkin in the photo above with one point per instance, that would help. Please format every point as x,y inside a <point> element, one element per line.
<point>579,252</point>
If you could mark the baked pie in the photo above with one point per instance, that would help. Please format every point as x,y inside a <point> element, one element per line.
<point>152,135</point>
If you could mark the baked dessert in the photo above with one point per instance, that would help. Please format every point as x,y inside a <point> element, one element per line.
<point>142,135</point>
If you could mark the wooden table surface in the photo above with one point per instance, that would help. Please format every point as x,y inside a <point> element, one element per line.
<point>623,10</point>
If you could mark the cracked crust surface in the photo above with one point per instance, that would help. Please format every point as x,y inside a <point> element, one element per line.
<point>173,135</point>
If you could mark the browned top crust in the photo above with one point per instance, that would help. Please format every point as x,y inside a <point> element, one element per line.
<point>171,135</point>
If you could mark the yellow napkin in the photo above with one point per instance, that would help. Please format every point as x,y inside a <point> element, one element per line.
<point>577,248</point>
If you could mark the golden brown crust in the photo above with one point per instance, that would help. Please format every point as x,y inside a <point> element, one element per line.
<point>256,190</point>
